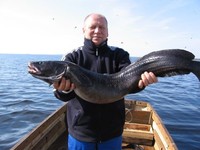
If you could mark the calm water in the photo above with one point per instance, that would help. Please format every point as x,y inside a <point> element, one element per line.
<point>26,101</point>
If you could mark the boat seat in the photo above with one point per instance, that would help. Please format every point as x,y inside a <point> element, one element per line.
<point>138,134</point>
<point>138,127</point>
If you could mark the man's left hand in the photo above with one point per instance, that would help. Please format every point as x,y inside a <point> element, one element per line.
<point>146,79</point>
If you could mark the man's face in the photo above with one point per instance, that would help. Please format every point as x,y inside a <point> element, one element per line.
<point>95,29</point>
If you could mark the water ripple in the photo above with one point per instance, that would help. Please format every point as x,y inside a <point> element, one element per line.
<point>25,102</point>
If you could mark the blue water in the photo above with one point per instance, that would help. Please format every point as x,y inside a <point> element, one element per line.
<point>26,101</point>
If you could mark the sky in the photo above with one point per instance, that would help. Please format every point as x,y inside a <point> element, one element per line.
<point>138,26</point>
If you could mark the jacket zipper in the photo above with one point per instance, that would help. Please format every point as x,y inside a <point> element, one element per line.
<point>97,52</point>
<point>98,60</point>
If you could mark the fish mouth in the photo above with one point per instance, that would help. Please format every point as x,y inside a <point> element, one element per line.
<point>32,69</point>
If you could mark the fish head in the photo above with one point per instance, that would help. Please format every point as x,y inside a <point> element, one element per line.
<point>48,71</point>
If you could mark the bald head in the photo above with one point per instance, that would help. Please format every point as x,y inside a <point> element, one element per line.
<point>95,28</point>
<point>96,15</point>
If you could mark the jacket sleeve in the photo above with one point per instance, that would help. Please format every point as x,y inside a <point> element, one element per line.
<point>64,96</point>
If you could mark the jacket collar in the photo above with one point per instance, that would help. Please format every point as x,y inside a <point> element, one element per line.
<point>90,47</point>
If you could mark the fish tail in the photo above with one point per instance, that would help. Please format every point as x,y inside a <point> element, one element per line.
<point>196,69</point>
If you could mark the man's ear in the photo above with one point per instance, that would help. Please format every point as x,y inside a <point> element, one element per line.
<point>83,29</point>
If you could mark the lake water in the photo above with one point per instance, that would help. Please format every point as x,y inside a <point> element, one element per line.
<point>26,101</point>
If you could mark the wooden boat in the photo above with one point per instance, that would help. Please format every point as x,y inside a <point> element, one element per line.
<point>143,130</point>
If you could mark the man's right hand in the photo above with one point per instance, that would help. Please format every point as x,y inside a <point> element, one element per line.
<point>64,85</point>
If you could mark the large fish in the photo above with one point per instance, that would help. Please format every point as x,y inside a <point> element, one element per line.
<point>106,88</point>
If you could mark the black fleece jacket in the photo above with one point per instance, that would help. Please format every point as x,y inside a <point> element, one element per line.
<point>95,122</point>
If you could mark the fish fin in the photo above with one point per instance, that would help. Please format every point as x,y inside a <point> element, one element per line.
<point>196,68</point>
<point>197,74</point>
<point>174,73</point>
<point>180,53</point>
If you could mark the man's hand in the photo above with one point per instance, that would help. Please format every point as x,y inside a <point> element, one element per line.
<point>146,79</point>
<point>64,85</point>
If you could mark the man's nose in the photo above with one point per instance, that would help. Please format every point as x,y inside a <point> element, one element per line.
<point>97,29</point>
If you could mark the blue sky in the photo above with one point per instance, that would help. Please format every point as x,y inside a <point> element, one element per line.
<point>138,26</point>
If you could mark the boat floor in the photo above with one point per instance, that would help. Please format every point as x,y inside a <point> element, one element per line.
<point>61,144</point>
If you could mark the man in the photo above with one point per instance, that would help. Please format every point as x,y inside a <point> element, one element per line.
<point>96,126</point>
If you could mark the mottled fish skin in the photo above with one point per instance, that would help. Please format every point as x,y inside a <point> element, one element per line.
<point>107,88</point>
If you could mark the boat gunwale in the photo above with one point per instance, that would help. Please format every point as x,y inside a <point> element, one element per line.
<point>37,130</point>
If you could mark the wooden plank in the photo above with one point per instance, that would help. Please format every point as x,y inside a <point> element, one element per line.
<point>158,141</point>
<point>138,134</point>
<point>131,103</point>
<point>143,117</point>
<point>137,126</point>
<point>162,132</point>
<point>60,143</point>
<point>50,135</point>
<point>138,137</point>
<point>136,105</point>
